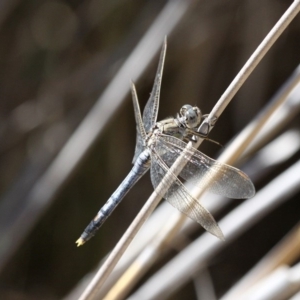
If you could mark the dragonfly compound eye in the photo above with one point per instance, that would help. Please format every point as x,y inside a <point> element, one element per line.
<point>198,114</point>
<point>184,109</point>
<point>192,115</point>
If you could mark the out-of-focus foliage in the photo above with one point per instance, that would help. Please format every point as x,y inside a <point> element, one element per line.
<point>56,57</point>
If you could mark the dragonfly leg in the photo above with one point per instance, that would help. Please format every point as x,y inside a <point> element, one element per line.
<point>192,133</point>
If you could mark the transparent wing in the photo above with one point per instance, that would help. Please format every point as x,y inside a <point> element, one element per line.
<point>179,197</point>
<point>151,108</point>
<point>139,147</point>
<point>229,181</point>
<point>140,129</point>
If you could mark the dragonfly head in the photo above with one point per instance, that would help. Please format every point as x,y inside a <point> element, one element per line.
<point>191,115</point>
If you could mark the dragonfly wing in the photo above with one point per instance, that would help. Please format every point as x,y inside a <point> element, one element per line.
<point>151,108</point>
<point>179,197</point>
<point>140,129</point>
<point>139,147</point>
<point>227,181</point>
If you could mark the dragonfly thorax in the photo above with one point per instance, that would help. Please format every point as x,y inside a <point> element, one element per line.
<point>190,117</point>
<point>169,126</point>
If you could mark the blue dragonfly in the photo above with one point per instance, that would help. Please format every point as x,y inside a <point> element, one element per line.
<point>158,145</point>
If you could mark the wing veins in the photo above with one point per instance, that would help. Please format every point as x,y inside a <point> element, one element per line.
<point>229,181</point>
<point>151,108</point>
<point>186,203</point>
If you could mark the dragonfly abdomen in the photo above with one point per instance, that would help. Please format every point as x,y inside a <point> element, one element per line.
<point>139,168</point>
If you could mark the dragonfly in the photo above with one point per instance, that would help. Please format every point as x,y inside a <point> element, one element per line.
<point>158,145</point>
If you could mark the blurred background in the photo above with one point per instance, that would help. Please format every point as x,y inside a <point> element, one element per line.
<point>57,59</point>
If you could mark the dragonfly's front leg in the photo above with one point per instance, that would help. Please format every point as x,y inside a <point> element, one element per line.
<point>206,125</point>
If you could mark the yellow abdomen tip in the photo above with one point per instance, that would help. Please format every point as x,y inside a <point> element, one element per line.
<point>80,242</point>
